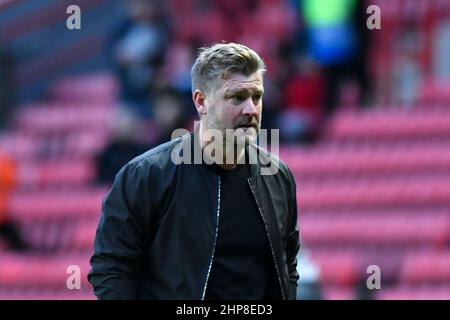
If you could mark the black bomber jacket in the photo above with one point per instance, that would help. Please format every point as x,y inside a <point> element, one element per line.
<point>157,233</point>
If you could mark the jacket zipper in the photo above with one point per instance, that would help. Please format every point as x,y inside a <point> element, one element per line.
<point>270,241</point>
<point>215,240</point>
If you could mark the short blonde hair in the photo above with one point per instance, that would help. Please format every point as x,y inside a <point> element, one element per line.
<point>222,59</point>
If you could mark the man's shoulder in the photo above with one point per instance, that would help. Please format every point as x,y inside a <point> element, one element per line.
<point>158,157</point>
<point>157,152</point>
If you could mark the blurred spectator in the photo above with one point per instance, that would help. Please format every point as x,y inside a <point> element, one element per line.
<point>271,103</point>
<point>441,59</point>
<point>131,137</point>
<point>139,47</point>
<point>123,147</point>
<point>362,291</point>
<point>337,39</point>
<point>177,71</point>
<point>302,100</point>
<point>169,115</point>
<point>309,287</point>
<point>8,229</point>
<point>407,71</point>
<point>6,88</point>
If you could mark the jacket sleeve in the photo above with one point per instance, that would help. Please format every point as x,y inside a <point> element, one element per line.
<point>121,236</point>
<point>293,239</point>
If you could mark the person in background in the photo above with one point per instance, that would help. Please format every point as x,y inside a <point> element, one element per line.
<point>138,49</point>
<point>130,137</point>
<point>309,286</point>
<point>6,87</point>
<point>8,180</point>
<point>169,114</point>
<point>124,146</point>
<point>338,39</point>
<point>302,101</point>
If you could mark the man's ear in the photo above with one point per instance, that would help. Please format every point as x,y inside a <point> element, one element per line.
<point>199,101</point>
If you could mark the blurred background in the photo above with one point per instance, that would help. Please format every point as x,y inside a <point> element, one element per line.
<point>364,119</point>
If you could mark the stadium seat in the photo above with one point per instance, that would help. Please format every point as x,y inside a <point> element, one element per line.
<point>57,204</point>
<point>376,192</point>
<point>426,267</point>
<point>395,123</point>
<point>56,173</point>
<point>101,87</point>
<point>338,268</point>
<point>368,159</point>
<point>412,292</point>
<point>40,271</point>
<point>377,230</point>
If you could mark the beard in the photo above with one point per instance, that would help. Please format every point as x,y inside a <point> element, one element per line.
<point>241,133</point>
<point>227,144</point>
<point>243,136</point>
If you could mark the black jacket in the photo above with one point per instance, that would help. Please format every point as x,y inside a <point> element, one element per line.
<point>157,232</point>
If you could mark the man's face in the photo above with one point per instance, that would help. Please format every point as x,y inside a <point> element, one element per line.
<point>236,103</point>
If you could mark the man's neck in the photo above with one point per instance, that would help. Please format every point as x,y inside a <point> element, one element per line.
<point>231,156</point>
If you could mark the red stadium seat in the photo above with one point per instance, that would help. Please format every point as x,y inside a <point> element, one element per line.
<point>368,159</point>
<point>57,204</point>
<point>338,268</point>
<point>411,292</point>
<point>40,271</point>
<point>390,124</point>
<point>84,235</point>
<point>60,118</point>
<point>97,87</point>
<point>379,192</point>
<point>428,267</point>
<point>334,292</point>
<point>56,173</point>
<point>377,230</point>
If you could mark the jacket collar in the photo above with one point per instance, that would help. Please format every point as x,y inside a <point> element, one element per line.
<point>195,147</point>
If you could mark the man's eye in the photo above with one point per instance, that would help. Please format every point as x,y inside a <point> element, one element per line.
<point>237,99</point>
<point>257,97</point>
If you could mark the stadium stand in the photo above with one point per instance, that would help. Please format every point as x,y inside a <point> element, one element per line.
<point>374,191</point>
<point>354,202</point>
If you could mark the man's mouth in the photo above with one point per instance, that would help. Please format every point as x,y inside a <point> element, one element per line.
<point>247,125</point>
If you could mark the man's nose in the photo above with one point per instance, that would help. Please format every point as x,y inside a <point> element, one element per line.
<point>250,108</point>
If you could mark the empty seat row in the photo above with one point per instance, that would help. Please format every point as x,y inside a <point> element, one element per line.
<point>436,92</point>
<point>377,230</point>
<point>57,204</point>
<point>41,270</point>
<point>57,118</point>
<point>18,145</point>
<point>50,173</point>
<point>337,268</point>
<point>390,123</point>
<point>101,87</point>
<point>80,144</point>
<point>370,193</point>
<point>433,266</point>
<point>39,294</point>
<point>368,159</point>
<point>408,211</point>
<point>412,292</point>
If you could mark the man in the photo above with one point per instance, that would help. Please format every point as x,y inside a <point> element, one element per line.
<point>210,230</point>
